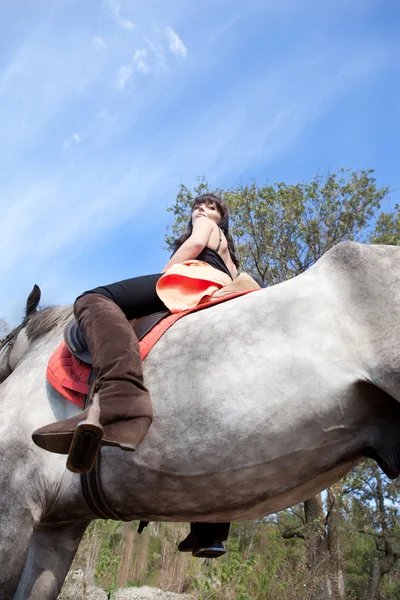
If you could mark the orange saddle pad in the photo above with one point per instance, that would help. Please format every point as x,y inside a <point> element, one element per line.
<point>69,376</point>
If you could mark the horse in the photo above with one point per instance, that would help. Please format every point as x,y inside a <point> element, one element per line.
<point>259,403</point>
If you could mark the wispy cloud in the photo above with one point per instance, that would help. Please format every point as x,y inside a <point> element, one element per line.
<point>121,21</point>
<point>125,73</point>
<point>124,77</point>
<point>98,43</point>
<point>71,140</point>
<point>35,90</point>
<point>176,46</point>
<point>158,51</point>
<point>139,59</point>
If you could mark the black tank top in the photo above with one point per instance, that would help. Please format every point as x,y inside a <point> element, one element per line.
<point>212,258</point>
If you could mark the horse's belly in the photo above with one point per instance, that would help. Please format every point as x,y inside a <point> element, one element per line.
<point>253,458</point>
<point>231,495</point>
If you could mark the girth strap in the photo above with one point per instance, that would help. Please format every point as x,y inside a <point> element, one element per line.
<point>92,489</point>
<point>94,496</point>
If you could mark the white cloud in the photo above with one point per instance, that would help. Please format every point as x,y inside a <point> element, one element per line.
<point>126,24</point>
<point>98,43</point>
<point>122,22</point>
<point>158,52</point>
<point>176,46</point>
<point>124,77</point>
<point>140,62</point>
<point>71,140</point>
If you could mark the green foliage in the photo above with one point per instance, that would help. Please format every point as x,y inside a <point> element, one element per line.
<point>387,229</point>
<point>109,556</point>
<point>258,565</point>
<point>359,550</point>
<point>372,500</point>
<point>235,572</point>
<point>371,503</point>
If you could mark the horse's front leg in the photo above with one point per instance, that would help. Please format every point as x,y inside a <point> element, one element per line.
<point>49,558</point>
<point>16,527</point>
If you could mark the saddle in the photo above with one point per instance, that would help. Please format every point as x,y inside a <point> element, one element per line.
<point>76,343</point>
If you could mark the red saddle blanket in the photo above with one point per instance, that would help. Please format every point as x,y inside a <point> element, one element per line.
<point>69,376</point>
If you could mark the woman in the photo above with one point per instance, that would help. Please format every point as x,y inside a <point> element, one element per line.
<point>102,313</point>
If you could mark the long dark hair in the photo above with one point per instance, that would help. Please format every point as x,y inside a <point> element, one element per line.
<point>224,224</point>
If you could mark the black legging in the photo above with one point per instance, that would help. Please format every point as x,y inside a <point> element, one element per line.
<point>136,296</point>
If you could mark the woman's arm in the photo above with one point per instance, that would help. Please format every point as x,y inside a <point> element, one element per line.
<point>202,230</point>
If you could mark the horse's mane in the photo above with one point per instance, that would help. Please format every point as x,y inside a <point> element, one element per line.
<point>46,319</point>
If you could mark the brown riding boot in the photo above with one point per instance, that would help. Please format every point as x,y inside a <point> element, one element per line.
<point>125,405</point>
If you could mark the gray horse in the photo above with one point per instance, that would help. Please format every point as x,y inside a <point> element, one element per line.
<point>259,403</point>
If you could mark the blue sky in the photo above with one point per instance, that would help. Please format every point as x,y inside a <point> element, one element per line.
<point>106,106</point>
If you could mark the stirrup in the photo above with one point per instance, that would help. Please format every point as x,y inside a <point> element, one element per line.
<point>86,441</point>
<point>213,550</point>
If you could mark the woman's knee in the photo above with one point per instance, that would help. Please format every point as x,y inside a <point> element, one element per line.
<point>103,291</point>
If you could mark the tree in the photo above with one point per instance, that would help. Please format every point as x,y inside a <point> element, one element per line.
<point>280,230</point>
<point>321,531</point>
<point>371,503</point>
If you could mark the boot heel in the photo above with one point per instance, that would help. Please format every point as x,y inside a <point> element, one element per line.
<point>86,441</point>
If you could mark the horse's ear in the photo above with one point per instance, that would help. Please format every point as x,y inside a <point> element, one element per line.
<point>33,300</point>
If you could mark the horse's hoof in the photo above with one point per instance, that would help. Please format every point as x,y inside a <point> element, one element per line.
<point>84,448</point>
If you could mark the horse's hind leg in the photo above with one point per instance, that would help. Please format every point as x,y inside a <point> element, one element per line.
<point>49,558</point>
